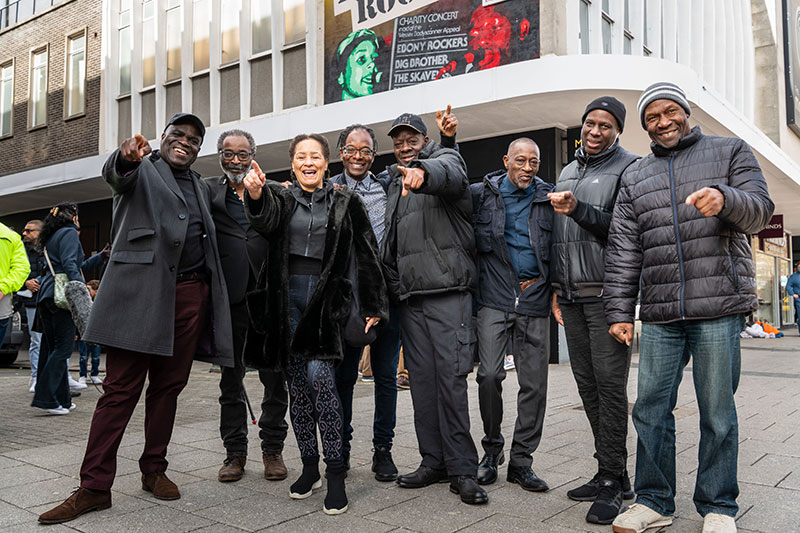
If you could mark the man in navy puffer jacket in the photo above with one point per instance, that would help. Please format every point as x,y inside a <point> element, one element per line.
<point>678,238</point>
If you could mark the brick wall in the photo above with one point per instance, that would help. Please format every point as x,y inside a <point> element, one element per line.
<point>61,140</point>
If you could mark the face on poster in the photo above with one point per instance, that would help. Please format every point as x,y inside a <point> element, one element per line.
<point>442,39</point>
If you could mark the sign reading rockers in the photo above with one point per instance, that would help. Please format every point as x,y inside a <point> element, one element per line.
<point>373,46</point>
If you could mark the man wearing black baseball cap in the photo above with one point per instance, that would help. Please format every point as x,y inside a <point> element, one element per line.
<point>427,252</point>
<point>162,303</point>
<point>584,201</point>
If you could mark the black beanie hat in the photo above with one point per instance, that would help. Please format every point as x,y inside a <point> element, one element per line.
<point>609,104</point>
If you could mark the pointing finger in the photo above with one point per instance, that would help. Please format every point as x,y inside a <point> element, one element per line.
<point>439,116</point>
<point>448,109</point>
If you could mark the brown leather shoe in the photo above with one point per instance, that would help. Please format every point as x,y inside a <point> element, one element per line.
<point>232,468</point>
<point>159,484</point>
<point>274,468</point>
<point>81,501</point>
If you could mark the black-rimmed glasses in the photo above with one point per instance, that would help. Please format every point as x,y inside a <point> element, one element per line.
<point>349,151</point>
<point>243,155</point>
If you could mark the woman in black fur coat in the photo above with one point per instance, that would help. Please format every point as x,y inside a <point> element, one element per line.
<point>303,298</point>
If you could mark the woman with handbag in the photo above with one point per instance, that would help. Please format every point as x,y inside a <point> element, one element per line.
<point>63,256</point>
<point>320,243</point>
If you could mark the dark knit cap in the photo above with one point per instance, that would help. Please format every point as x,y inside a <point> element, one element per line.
<point>662,90</point>
<point>609,104</point>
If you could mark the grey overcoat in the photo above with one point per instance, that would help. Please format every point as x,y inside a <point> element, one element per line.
<point>135,306</point>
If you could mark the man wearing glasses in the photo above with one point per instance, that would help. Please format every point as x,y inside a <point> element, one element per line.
<point>242,250</point>
<point>30,239</point>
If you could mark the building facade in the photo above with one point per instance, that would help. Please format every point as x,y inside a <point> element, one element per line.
<point>511,67</point>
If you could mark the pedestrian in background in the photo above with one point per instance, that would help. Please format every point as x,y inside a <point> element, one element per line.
<point>29,294</point>
<point>90,352</point>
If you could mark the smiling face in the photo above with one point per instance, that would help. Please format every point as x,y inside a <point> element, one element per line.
<point>522,162</point>
<point>666,122</point>
<point>180,144</point>
<point>309,164</point>
<point>599,131</point>
<point>357,164</point>
<point>407,144</point>
<point>235,167</point>
<point>358,78</point>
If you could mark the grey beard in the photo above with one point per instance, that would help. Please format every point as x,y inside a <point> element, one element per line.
<point>235,178</point>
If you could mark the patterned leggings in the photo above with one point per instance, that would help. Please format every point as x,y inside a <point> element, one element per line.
<point>313,398</point>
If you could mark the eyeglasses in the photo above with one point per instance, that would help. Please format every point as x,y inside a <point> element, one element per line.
<point>243,155</point>
<point>349,151</point>
<point>31,230</point>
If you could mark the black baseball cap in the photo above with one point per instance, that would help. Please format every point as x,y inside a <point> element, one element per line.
<point>187,118</point>
<point>409,120</point>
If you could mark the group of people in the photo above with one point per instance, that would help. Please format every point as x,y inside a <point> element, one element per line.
<point>296,278</point>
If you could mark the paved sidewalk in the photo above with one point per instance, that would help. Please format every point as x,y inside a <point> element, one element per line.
<point>40,457</point>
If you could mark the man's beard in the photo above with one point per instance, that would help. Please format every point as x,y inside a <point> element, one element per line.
<point>31,246</point>
<point>234,178</point>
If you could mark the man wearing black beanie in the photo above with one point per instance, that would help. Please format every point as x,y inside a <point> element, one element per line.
<point>584,199</point>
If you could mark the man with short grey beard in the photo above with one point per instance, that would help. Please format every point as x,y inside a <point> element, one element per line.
<point>242,251</point>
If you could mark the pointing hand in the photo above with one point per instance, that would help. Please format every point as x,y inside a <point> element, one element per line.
<point>707,200</point>
<point>413,178</point>
<point>254,181</point>
<point>564,203</point>
<point>447,122</point>
<point>135,149</point>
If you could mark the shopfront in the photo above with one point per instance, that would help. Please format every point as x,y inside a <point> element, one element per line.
<point>772,249</point>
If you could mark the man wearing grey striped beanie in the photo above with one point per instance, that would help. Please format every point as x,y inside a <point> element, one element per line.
<point>679,234</point>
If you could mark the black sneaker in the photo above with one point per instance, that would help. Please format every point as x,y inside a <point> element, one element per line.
<point>382,464</point>
<point>588,491</point>
<point>606,507</point>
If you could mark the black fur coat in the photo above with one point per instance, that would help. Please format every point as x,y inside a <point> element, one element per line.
<point>319,332</point>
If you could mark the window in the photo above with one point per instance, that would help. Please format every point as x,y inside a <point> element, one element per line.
<point>294,21</point>
<point>174,28</point>
<point>76,75</point>
<point>262,25</point>
<point>14,11</point>
<point>229,27</point>
<point>6,98</point>
<point>607,23</point>
<point>148,34</point>
<point>628,42</point>
<point>38,84</point>
<point>645,42</point>
<point>584,14</point>
<point>200,29</point>
<point>124,41</point>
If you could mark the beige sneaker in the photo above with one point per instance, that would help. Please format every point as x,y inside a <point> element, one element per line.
<point>638,518</point>
<point>718,523</point>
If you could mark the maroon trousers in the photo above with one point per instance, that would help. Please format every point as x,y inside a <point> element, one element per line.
<point>125,375</point>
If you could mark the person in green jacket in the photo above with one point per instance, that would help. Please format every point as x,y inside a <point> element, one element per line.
<point>14,270</point>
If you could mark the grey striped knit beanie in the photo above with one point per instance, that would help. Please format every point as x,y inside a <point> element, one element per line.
<point>662,90</point>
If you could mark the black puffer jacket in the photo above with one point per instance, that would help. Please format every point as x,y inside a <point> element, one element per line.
<point>428,243</point>
<point>579,239</point>
<point>690,266</point>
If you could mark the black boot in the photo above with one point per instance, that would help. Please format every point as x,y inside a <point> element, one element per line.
<point>382,464</point>
<point>336,498</point>
<point>308,480</point>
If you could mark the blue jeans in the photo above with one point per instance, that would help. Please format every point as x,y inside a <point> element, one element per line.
<point>713,346</point>
<point>58,339</point>
<point>797,311</point>
<point>384,353</point>
<point>36,340</point>
<point>86,351</point>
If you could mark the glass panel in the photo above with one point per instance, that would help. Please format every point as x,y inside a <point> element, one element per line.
<point>294,21</point>
<point>584,27</point>
<point>628,48</point>
<point>787,304</point>
<point>230,32</point>
<point>605,6</point>
<point>627,15</point>
<point>76,76</point>
<point>148,43</point>
<point>200,26</point>
<point>6,99</point>
<point>294,77</point>
<point>262,25</point>
<point>125,60</point>
<point>606,36</point>
<point>765,286</point>
<point>39,90</point>
<point>173,39</point>
<point>644,28</point>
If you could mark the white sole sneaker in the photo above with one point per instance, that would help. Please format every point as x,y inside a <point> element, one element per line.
<point>97,380</point>
<point>58,411</point>
<point>333,512</point>
<point>638,518</point>
<point>302,496</point>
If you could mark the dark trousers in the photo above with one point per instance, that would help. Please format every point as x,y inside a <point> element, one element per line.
<point>600,365</point>
<point>89,351</point>
<point>530,340</point>
<point>126,372</point>
<point>438,341</point>
<point>314,399</point>
<point>58,339</point>
<point>233,419</point>
<point>384,353</point>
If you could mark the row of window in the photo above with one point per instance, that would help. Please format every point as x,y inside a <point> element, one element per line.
<point>74,86</point>
<point>15,11</point>
<point>261,41</point>
<point>610,16</point>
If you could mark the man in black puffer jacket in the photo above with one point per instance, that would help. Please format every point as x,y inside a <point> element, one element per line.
<point>428,265</point>
<point>584,200</point>
<point>513,222</point>
<point>679,235</point>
